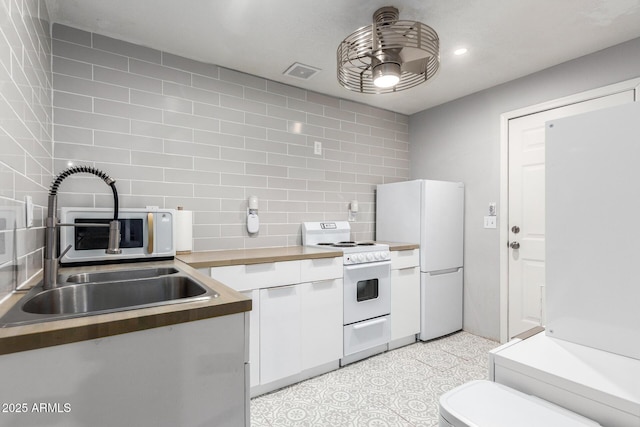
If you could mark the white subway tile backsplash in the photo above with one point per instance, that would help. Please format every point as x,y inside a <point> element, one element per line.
<point>159,72</point>
<point>25,136</point>
<point>243,79</point>
<point>89,55</point>
<point>124,140</point>
<point>73,102</point>
<point>265,97</point>
<point>226,166</point>
<point>72,68</point>
<point>179,131</point>
<point>191,121</point>
<point>161,131</point>
<point>70,34</point>
<point>64,83</point>
<point>265,121</point>
<point>161,160</point>
<point>218,86</point>
<point>126,49</point>
<point>286,90</point>
<point>190,65</point>
<point>190,93</point>
<point>127,79</point>
<point>243,130</point>
<point>126,110</point>
<point>162,102</point>
<point>220,113</point>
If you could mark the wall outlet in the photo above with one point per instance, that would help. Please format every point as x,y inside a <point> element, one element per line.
<point>490,221</point>
<point>317,148</point>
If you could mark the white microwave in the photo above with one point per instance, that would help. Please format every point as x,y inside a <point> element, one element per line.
<point>145,234</point>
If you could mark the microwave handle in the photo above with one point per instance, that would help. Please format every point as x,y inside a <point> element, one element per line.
<point>150,232</point>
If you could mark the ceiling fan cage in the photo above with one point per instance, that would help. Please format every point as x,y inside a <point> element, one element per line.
<point>413,45</point>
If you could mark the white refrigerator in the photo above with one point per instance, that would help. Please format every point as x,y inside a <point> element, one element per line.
<point>430,213</point>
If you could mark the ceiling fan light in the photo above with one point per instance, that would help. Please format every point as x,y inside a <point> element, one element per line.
<point>386,75</point>
<point>389,55</point>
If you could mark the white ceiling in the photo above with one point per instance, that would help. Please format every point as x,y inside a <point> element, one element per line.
<point>506,39</point>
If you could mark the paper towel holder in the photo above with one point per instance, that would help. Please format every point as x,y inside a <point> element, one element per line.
<point>253,222</point>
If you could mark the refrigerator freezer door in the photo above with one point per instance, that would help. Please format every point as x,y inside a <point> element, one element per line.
<point>398,207</point>
<point>441,302</point>
<point>442,225</point>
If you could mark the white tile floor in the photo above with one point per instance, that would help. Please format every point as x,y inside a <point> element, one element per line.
<point>397,388</point>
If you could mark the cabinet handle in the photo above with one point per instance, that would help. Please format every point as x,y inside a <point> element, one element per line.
<point>370,323</point>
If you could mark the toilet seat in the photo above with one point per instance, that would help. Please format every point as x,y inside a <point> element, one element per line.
<point>487,404</point>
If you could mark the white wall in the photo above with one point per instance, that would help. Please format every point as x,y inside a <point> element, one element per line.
<point>173,131</point>
<point>460,141</point>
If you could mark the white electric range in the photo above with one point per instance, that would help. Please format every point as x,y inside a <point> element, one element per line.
<point>367,287</point>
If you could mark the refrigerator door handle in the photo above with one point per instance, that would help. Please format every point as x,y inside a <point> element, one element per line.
<point>446,271</point>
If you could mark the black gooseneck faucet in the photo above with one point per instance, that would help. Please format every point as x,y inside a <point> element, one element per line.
<point>51,261</point>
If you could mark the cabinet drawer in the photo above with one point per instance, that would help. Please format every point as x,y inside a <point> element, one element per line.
<point>367,334</point>
<point>255,276</point>
<point>313,270</point>
<point>405,259</point>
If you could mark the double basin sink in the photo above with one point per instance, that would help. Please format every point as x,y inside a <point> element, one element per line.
<point>101,292</point>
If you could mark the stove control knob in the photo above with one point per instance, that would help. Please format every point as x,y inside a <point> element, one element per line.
<point>370,256</point>
<point>378,256</point>
<point>384,255</point>
<point>362,257</point>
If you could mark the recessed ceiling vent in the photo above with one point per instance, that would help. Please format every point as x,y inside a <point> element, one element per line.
<point>301,71</point>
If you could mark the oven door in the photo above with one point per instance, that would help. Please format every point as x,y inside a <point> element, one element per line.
<point>367,291</point>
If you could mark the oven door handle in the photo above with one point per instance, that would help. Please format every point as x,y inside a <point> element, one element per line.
<point>367,265</point>
<point>370,323</point>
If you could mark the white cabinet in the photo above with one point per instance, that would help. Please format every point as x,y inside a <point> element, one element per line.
<point>405,295</point>
<point>300,328</point>
<point>296,320</point>
<point>321,308</point>
<point>187,374</point>
<point>254,336</point>
<point>280,333</point>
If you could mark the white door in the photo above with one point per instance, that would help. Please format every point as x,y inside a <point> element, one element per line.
<point>527,209</point>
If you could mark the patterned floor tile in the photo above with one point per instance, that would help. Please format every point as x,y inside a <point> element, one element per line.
<point>378,417</point>
<point>397,388</point>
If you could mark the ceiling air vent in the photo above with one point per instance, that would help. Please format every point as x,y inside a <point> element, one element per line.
<point>301,71</point>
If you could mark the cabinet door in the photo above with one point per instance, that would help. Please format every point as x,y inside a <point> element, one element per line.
<point>279,332</point>
<point>321,306</point>
<point>405,302</point>
<point>254,336</point>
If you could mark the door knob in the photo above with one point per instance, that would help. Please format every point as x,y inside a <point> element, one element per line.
<point>514,245</point>
<point>515,229</point>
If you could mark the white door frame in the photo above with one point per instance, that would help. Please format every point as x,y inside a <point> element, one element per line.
<point>504,177</point>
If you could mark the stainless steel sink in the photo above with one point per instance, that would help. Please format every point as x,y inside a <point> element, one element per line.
<point>107,292</point>
<point>112,276</point>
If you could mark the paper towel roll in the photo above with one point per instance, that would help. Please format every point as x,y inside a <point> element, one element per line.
<point>184,231</point>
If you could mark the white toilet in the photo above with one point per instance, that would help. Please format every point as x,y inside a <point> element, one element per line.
<point>489,404</point>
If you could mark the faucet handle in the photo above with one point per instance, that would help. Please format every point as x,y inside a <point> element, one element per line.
<point>114,238</point>
<point>64,252</point>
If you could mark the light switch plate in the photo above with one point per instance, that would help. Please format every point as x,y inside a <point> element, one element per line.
<point>490,221</point>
